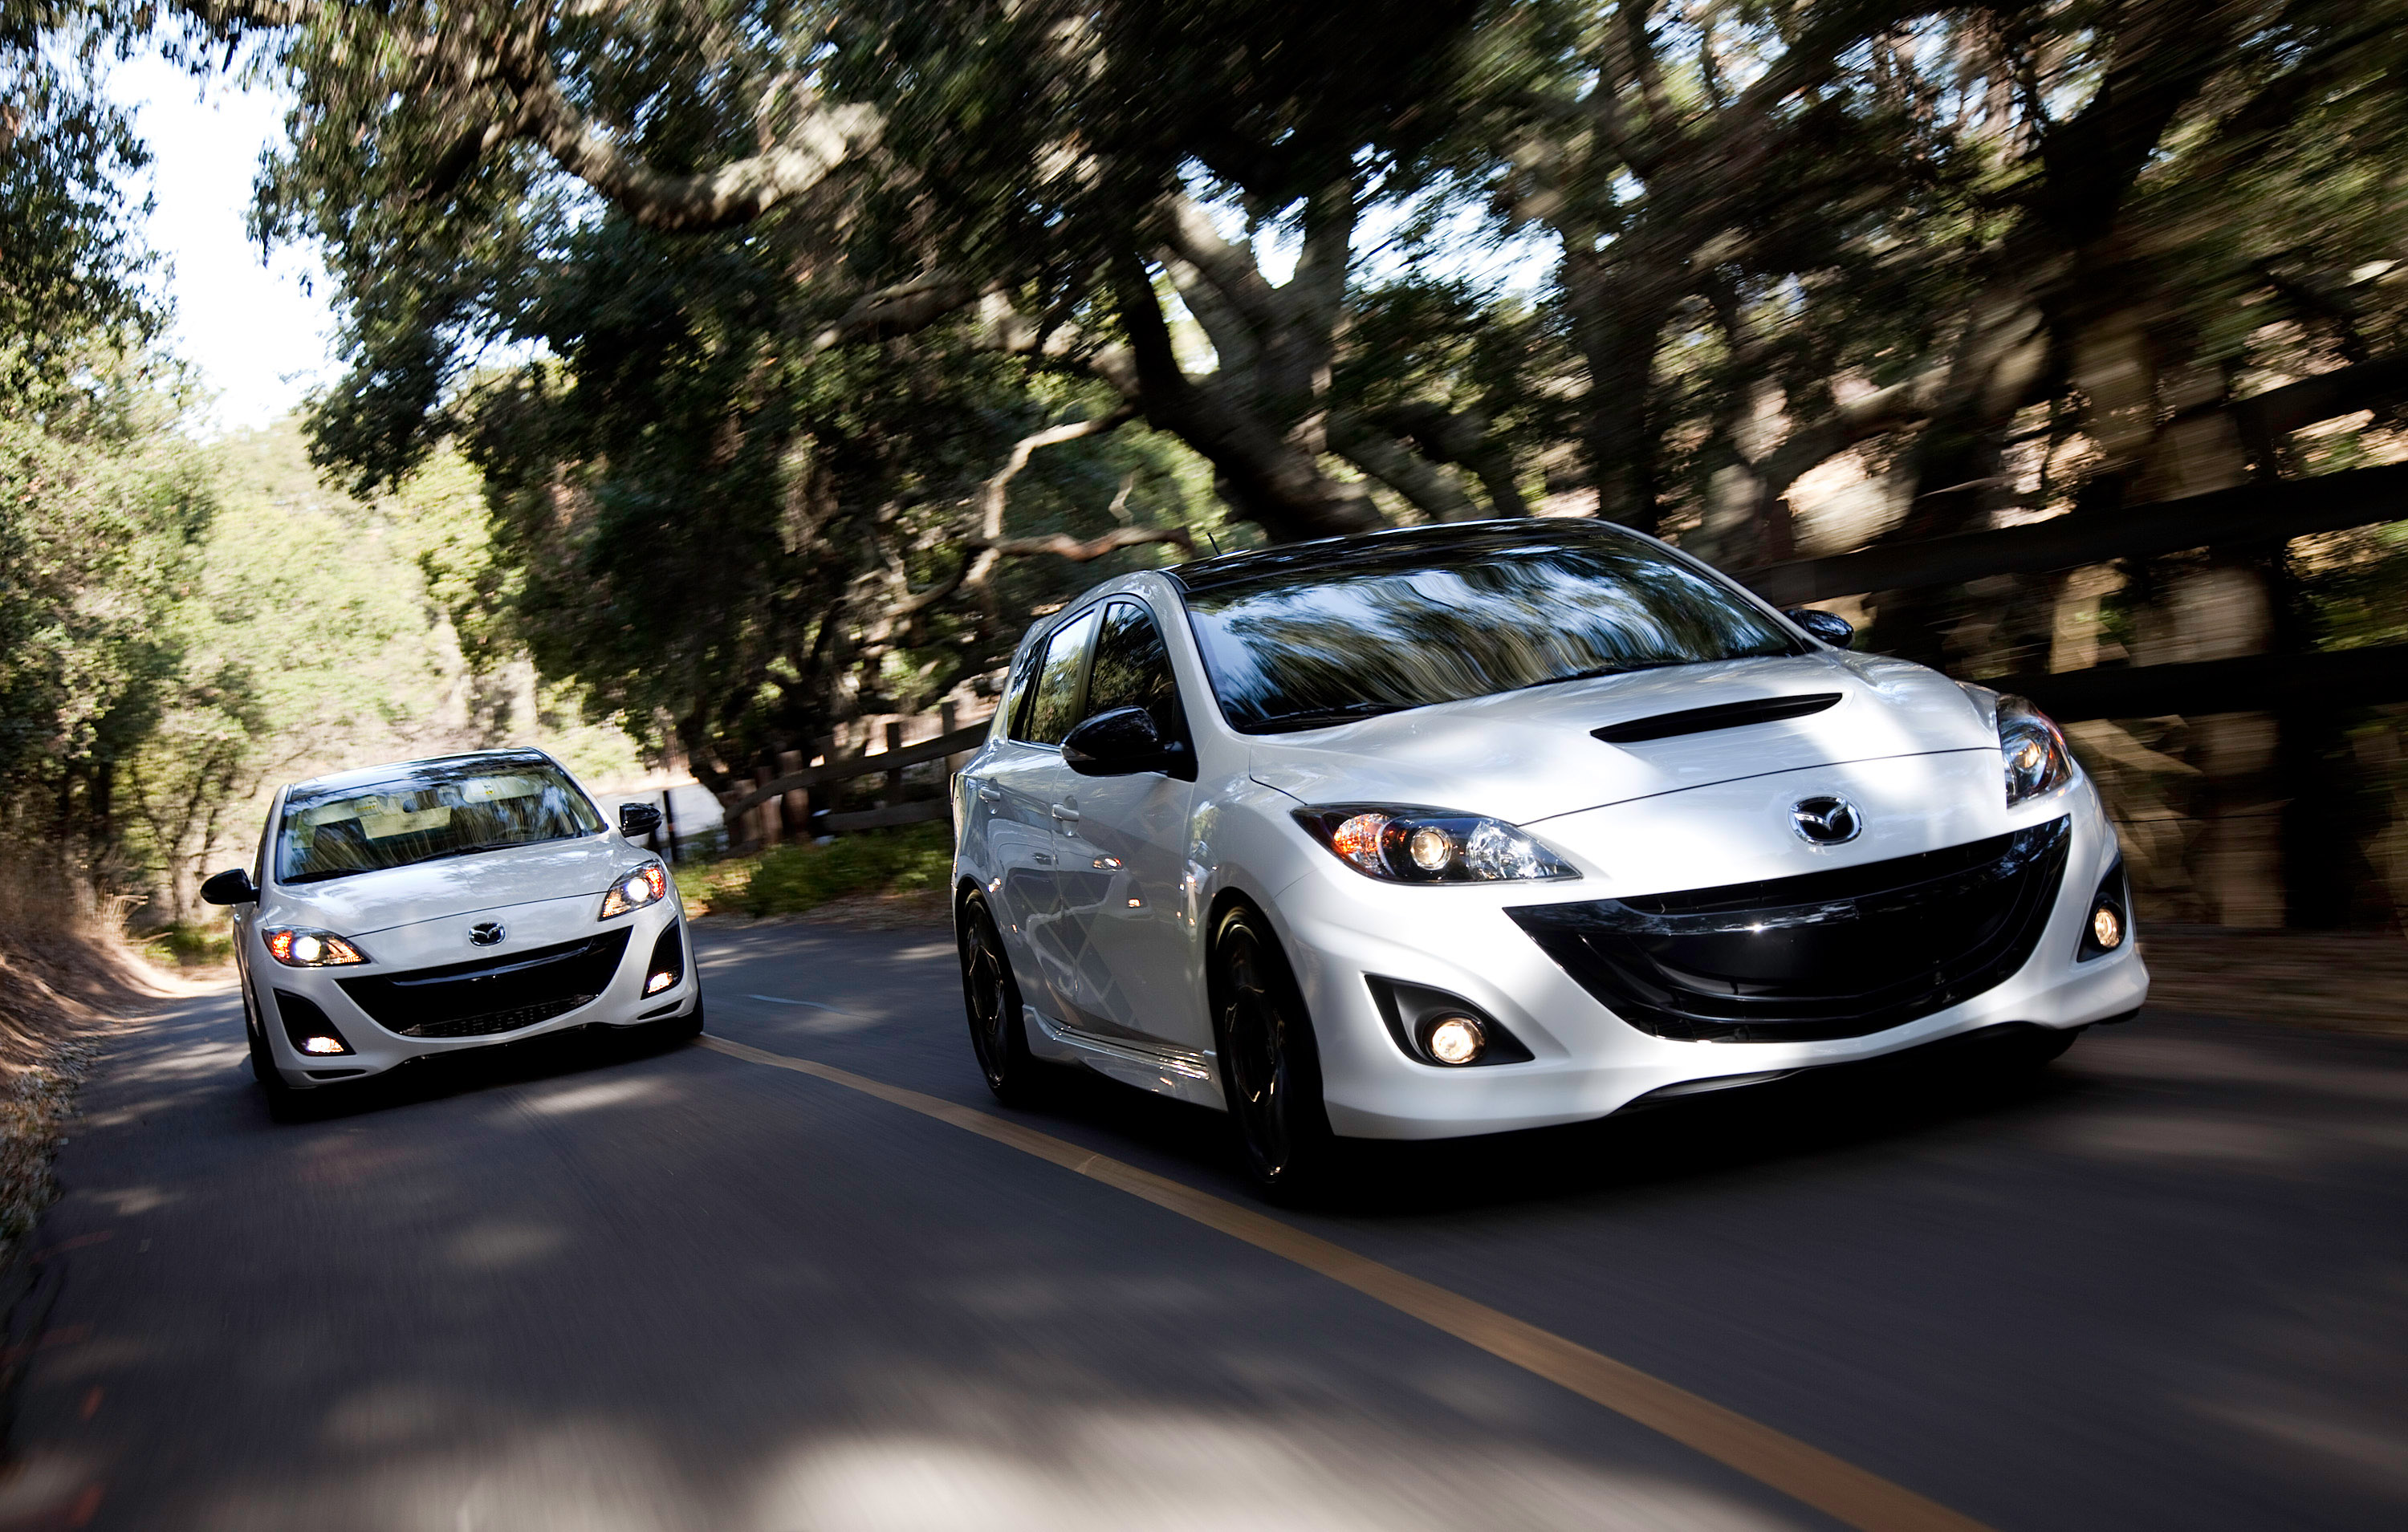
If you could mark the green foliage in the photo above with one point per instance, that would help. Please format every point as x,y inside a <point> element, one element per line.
<point>190,944</point>
<point>301,641</point>
<point>792,879</point>
<point>70,279</point>
<point>103,510</point>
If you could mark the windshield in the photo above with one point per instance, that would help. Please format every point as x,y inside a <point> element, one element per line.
<point>428,811</point>
<point>1323,635</point>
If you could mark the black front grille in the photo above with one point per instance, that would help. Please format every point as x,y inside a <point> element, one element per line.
<point>1827,955</point>
<point>495,995</point>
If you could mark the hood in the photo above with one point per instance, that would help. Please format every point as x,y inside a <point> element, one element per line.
<point>1527,755</point>
<point>369,902</point>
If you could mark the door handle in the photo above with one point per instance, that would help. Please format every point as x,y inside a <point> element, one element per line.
<point>1063,811</point>
<point>1043,859</point>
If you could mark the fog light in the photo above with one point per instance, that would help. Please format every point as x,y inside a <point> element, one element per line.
<point>2106,928</point>
<point>322,1044</point>
<point>658,982</point>
<point>1455,1039</point>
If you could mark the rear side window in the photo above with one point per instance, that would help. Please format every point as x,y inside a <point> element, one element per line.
<point>1055,707</point>
<point>1132,669</point>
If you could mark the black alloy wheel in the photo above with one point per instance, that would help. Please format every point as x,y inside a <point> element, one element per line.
<point>991,997</point>
<point>1270,1071</point>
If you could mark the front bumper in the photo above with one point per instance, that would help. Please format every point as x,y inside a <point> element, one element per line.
<point>1341,929</point>
<point>378,1046</point>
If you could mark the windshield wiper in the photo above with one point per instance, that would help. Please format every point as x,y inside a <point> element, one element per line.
<point>1614,670</point>
<point>480,846</point>
<point>1322,718</point>
<point>323,874</point>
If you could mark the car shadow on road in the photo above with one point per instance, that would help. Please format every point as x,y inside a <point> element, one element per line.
<point>1898,1101</point>
<point>436,1076</point>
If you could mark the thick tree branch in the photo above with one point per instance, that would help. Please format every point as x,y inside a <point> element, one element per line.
<point>826,138</point>
<point>1434,494</point>
<point>1445,436</point>
<point>975,572</point>
<point>1063,544</point>
<point>899,310</point>
<point>1231,269</point>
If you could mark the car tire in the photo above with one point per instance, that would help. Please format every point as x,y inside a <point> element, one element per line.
<point>262,1068</point>
<point>2037,1052</point>
<point>683,1028</point>
<point>991,1001</point>
<point>284,1103</point>
<point>1270,1069</point>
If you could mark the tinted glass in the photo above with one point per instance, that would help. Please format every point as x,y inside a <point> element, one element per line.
<point>1014,708</point>
<point>1133,671</point>
<point>1321,636</point>
<point>428,811</point>
<point>1055,707</point>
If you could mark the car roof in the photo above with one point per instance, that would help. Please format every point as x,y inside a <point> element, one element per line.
<point>1371,552</point>
<point>363,776</point>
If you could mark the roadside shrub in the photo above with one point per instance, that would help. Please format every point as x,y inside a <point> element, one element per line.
<point>190,944</point>
<point>791,879</point>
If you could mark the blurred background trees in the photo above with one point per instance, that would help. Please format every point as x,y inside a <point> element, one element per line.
<point>754,369</point>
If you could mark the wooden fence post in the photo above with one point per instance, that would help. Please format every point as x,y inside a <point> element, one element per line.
<point>765,814</point>
<point>794,808</point>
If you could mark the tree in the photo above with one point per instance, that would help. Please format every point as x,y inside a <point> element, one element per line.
<point>70,270</point>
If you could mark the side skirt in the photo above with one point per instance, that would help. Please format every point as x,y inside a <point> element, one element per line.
<point>1180,1073</point>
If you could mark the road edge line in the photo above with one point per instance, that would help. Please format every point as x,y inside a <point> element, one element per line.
<point>1808,1474</point>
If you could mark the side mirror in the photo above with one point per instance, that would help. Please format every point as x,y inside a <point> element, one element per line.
<point>638,819</point>
<point>1121,743</point>
<point>1829,627</point>
<point>232,887</point>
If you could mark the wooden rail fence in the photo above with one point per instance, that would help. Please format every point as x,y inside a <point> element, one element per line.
<point>2264,513</point>
<point>851,767</point>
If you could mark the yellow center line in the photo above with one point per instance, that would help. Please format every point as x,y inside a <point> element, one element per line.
<point>1837,1488</point>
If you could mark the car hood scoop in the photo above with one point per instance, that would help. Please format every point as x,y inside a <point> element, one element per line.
<point>1559,749</point>
<point>369,902</point>
<point>1722,715</point>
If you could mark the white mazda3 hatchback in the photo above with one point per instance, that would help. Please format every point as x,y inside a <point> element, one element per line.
<point>407,910</point>
<point>1468,828</point>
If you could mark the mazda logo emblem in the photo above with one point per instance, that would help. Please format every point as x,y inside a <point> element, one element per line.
<point>486,933</point>
<point>1825,822</point>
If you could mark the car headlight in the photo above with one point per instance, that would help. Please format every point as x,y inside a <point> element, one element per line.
<point>1401,844</point>
<point>301,948</point>
<point>2031,751</point>
<point>635,890</point>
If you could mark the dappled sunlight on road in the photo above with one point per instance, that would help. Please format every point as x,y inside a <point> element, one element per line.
<point>614,1093</point>
<point>1196,1472</point>
<point>643,1290</point>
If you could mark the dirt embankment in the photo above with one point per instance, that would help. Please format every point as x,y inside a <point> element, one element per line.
<point>66,973</point>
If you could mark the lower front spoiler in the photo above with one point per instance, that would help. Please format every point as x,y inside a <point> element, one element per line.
<point>2009,1041</point>
<point>341,1073</point>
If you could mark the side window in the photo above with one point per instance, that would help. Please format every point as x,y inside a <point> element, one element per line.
<point>1133,671</point>
<point>1055,707</point>
<point>1013,711</point>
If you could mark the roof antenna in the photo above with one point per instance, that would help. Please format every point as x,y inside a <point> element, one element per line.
<point>1214,540</point>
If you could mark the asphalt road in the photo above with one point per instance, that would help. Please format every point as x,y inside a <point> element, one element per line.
<point>2162,1284</point>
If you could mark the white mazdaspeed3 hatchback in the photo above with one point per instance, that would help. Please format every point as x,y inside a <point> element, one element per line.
<point>407,910</point>
<point>1468,828</point>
